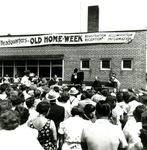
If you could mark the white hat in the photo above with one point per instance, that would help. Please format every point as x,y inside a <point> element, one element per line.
<point>73,91</point>
<point>52,95</point>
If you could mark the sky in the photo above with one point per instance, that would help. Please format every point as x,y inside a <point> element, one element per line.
<point>20,17</point>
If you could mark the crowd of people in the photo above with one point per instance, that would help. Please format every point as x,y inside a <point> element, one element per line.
<point>43,115</point>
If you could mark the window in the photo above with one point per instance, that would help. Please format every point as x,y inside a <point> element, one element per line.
<point>126,64</point>
<point>8,67</point>
<point>56,68</point>
<point>105,64</point>
<point>0,68</point>
<point>43,68</point>
<point>32,65</point>
<point>20,66</point>
<point>85,64</point>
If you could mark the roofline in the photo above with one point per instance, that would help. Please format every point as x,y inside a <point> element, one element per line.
<point>9,35</point>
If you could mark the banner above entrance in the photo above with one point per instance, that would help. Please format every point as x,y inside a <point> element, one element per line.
<point>62,39</point>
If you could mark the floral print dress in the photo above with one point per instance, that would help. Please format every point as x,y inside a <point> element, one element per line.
<point>45,136</point>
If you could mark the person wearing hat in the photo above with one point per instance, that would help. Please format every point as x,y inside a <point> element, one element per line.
<point>73,99</point>
<point>77,77</point>
<point>63,100</point>
<point>56,112</point>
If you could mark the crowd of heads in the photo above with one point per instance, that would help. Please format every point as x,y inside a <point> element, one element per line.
<point>17,99</point>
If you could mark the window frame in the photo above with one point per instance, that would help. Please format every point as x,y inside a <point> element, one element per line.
<point>81,63</point>
<point>101,68</point>
<point>122,64</point>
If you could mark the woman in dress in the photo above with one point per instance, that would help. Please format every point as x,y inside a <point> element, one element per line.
<point>47,134</point>
<point>70,130</point>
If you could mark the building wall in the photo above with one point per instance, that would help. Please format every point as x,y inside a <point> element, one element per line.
<point>136,50</point>
<point>72,55</point>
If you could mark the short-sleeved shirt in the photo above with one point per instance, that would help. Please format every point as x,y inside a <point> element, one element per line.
<point>103,135</point>
<point>72,130</point>
<point>132,134</point>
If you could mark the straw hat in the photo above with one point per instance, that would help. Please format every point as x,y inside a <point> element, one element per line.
<point>73,91</point>
<point>52,95</point>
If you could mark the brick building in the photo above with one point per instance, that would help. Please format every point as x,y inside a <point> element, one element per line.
<point>97,55</point>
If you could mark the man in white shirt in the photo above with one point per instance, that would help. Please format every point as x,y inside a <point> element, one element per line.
<point>133,127</point>
<point>103,135</point>
<point>25,79</point>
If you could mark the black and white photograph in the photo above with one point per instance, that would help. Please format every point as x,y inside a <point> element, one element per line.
<point>73,75</point>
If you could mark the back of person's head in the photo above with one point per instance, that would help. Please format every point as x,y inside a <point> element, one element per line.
<point>119,96</point>
<point>22,87</point>
<point>56,89</point>
<point>5,105</point>
<point>87,94</point>
<point>84,95</point>
<point>64,97</point>
<point>23,114</point>
<point>105,92</point>
<point>76,111</point>
<point>103,109</point>
<point>143,99</point>
<point>138,112</point>
<point>111,100</point>
<point>16,100</point>
<point>88,109</point>
<point>3,87</point>
<point>37,93</point>
<point>126,96</point>
<point>90,93</point>
<point>9,89</point>
<point>9,120</point>
<point>43,107</point>
<point>30,102</point>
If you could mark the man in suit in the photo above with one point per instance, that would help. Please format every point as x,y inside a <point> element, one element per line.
<point>77,77</point>
<point>56,112</point>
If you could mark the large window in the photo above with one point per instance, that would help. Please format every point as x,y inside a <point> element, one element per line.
<point>20,66</point>
<point>43,68</point>
<point>56,68</point>
<point>105,64</point>
<point>32,65</point>
<point>126,64</point>
<point>8,68</point>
